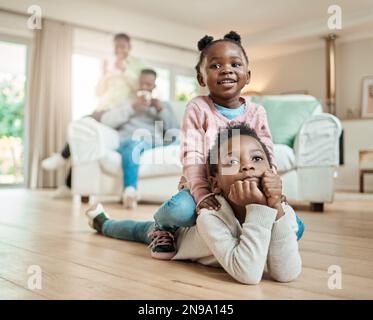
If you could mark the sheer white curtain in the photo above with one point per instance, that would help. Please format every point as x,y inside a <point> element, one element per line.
<point>49,107</point>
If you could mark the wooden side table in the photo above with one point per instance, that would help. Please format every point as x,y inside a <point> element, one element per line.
<point>365,165</point>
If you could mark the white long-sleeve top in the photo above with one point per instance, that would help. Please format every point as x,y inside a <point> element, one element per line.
<point>260,245</point>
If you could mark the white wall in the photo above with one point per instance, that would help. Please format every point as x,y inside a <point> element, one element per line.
<point>306,70</point>
<point>160,42</point>
<point>358,135</point>
<point>101,15</point>
<point>14,26</point>
<point>355,61</point>
<point>86,41</point>
<point>300,71</point>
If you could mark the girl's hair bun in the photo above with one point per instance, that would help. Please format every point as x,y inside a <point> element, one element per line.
<point>232,35</point>
<point>204,42</point>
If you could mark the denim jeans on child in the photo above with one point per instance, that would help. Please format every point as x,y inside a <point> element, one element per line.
<point>129,230</point>
<point>179,211</point>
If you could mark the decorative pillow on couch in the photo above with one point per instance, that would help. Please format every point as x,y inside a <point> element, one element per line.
<point>286,114</point>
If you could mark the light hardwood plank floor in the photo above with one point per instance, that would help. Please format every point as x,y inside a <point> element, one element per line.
<point>77,263</point>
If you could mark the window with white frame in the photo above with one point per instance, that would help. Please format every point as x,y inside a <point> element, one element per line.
<point>86,71</point>
<point>174,82</point>
<point>163,83</point>
<point>186,87</point>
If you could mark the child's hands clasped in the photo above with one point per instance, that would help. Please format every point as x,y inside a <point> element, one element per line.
<point>243,193</point>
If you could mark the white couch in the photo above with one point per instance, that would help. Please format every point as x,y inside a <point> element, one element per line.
<point>308,170</point>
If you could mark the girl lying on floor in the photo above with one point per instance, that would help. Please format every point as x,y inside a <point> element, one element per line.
<point>252,232</point>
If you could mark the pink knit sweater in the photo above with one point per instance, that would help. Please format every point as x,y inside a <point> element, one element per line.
<point>200,126</point>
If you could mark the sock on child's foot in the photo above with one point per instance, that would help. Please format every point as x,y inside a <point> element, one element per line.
<point>97,217</point>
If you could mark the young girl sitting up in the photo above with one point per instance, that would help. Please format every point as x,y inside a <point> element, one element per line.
<point>223,68</point>
<point>251,232</point>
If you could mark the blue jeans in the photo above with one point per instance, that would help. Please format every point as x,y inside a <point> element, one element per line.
<point>300,227</point>
<point>131,150</point>
<point>129,230</point>
<point>179,211</point>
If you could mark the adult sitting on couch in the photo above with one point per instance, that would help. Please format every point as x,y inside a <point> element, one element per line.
<point>141,124</point>
<point>113,87</point>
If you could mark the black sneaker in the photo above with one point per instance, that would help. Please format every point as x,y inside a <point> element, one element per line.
<point>162,245</point>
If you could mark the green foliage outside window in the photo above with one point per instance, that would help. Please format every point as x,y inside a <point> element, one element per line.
<point>11,109</point>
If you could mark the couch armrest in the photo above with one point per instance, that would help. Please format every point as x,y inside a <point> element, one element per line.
<point>317,142</point>
<point>90,140</point>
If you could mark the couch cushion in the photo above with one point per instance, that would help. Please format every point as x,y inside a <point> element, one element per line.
<point>111,163</point>
<point>285,157</point>
<point>153,162</point>
<point>286,114</point>
<point>161,162</point>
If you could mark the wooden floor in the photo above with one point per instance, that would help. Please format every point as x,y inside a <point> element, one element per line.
<point>79,264</point>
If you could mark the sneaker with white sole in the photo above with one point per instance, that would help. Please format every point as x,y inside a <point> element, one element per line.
<point>130,197</point>
<point>53,162</point>
<point>97,217</point>
<point>162,245</point>
<point>62,192</point>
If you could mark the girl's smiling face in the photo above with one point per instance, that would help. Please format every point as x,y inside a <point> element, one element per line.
<point>225,72</point>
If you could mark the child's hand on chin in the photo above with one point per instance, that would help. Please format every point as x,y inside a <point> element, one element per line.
<point>272,188</point>
<point>243,193</point>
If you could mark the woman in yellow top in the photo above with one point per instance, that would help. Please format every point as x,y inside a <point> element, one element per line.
<point>120,83</point>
